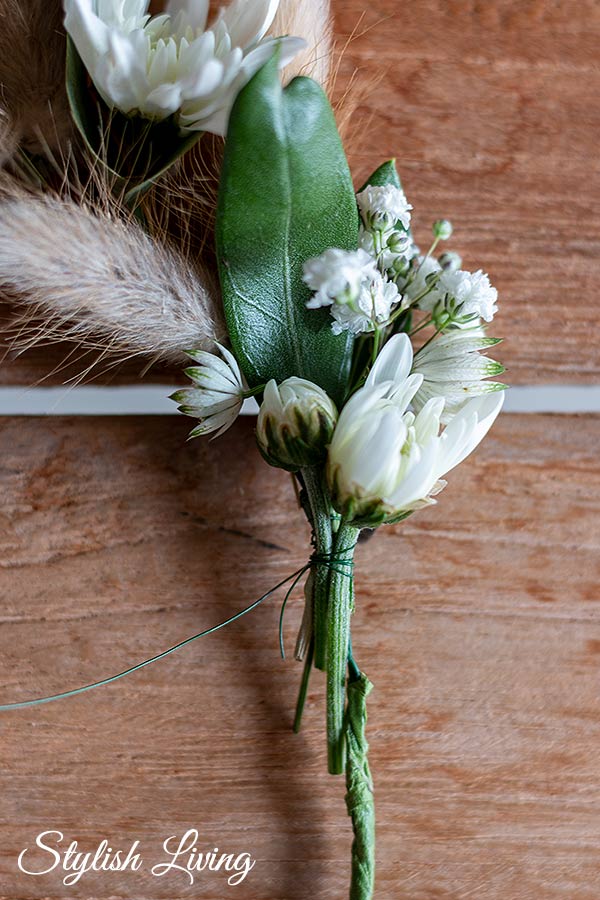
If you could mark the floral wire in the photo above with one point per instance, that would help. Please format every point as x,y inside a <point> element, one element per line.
<point>331,560</point>
<point>288,594</point>
<point>104,681</point>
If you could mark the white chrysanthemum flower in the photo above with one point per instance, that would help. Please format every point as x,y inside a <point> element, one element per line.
<point>295,423</point>
<point>383,207</point>
<point>349,282</point>
<point>466,296</point>
<point>218,393</point>
<point>384,461</point>
<point>172,64</point>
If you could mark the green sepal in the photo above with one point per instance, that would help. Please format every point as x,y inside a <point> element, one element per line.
<point>133,150</point>
<point>285,196</point>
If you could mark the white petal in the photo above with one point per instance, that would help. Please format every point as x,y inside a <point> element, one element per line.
<point>195,12</point>
<point>249,20</point>
<point>165,99</point>
<point>478,416</point>
<point>419,480</point>
<point>405,391</point>
<point>88,32</point>
<point>394,362</point>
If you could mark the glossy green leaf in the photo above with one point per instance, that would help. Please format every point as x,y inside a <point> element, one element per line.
<point>385,174</point>
<point>134,151</point>
<point>285,196</point>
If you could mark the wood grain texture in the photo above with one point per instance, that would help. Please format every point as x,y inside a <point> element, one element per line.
<point>491,110</point>
<point>478,620</point>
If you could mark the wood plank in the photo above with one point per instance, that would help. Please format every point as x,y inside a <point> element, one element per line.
<point>478,621</point>
<point>490,109</point>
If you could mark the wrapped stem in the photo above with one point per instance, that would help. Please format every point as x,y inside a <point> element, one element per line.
<point>339,610</point>
<point>359,786</point>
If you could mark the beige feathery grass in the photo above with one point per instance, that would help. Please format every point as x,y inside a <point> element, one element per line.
<point>99,280</point>
<point>311,20</point>
<point>33,102</point>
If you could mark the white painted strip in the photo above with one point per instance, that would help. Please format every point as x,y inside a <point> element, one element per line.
<point>153,400</point>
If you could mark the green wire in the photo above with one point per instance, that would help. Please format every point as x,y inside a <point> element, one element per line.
<point>24,704</point>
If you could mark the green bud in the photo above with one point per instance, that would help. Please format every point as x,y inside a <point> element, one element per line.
<point>295,424</point>
<point>442,229</point>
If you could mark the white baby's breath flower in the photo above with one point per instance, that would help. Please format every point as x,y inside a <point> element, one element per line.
<point>383,207</point>
<point>421,281</point>
<point>218,393</point>
<point>371,309</point>
<point>464,296</point>
<point>295,423</point>
<point>337,276</point>
<point>349,282</point>
<point>392,251</point>
<point>384,461</point>
<point>172,64</point>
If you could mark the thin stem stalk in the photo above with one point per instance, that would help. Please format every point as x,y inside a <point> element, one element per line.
<point>321,521</point>
<point>341,592</point>
<point>304,686</point>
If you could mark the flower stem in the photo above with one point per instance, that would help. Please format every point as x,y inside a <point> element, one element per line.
<point>321,521</point>
<point>341,593</point>
<point>304,686</point>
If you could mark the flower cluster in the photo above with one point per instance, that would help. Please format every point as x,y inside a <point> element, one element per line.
<point>173,64</point>
<point>360,298</point>
<point>368,288</point>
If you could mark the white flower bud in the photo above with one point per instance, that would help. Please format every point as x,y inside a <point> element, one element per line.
<point>442,229</point>
<point>450,261</point>
<point>295,424</point>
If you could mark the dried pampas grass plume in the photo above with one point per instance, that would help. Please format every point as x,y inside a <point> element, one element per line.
<point>33,104</point>
<point>87,276</point>
<point>311,20</point>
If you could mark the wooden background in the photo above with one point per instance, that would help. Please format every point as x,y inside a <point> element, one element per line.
<point>478,620</point>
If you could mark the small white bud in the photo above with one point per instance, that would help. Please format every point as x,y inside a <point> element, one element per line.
<point>450,261</point>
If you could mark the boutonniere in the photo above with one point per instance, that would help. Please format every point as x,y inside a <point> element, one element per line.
<point>365,349</point>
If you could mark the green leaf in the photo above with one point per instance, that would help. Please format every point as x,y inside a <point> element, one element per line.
<point>134,151</point>
<point>285,196</point>
<point>385,174</point>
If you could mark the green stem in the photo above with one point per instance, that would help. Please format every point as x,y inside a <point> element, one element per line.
<point>341,592</point>
<point>359,788</point>
<point>304,686</point>
<point>321,521</point>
